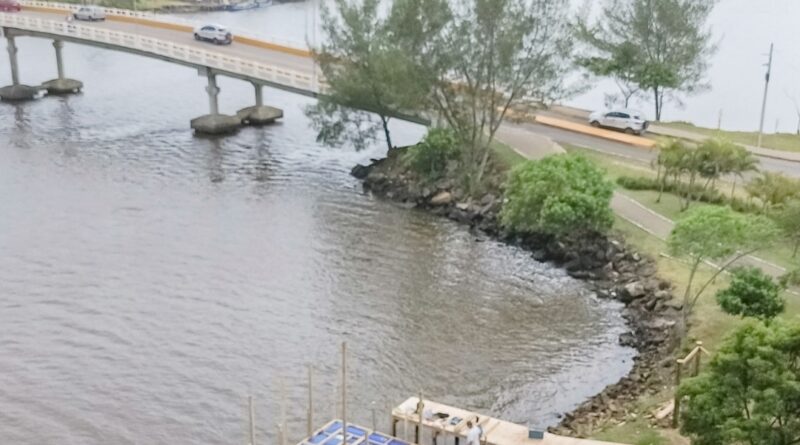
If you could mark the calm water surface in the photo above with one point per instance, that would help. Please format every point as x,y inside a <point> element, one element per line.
<point>150,281</point>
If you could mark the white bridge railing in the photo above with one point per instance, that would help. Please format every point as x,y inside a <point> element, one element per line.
<point>306,81</point>
<point>164,18</point>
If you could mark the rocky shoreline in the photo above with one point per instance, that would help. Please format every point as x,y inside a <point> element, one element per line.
<point>607,265</point>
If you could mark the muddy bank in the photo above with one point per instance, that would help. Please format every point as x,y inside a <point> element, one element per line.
<point>605,263</point>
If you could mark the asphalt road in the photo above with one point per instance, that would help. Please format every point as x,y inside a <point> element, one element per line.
<point>643,155</point>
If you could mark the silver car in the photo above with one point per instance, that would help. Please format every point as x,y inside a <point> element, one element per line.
<point>90,13</point>
<point>213,33</point>
<point>630,121</point>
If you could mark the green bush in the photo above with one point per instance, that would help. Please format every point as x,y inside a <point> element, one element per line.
<point>430,157</point>
<point>557,195</point>
<point>709,196</point>
<point>752,293</point>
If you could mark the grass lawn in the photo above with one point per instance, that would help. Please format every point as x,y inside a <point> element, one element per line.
<point>778,141</point>
<point>505,155</point>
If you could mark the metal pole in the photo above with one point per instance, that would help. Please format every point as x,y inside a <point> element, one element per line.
<point>12,55</point>
<point>764,102</point>
<point>58,45</point>
<point>212,91</point>
<point>252,421</point>
<point>310,401</point>
<point>676,410</point>
<point>344,391</point>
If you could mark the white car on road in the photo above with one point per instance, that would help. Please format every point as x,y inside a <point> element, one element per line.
<point>630,121</point>
<point>89,13</point>
<point>213,33</point>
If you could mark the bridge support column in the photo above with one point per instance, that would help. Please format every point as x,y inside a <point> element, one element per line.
<point>213,91</point>
<point>259,114</point>
<point>61,85</point>
<point>214,123</point>
<point>15,91</point>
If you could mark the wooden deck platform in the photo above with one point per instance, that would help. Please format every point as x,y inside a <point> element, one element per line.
<point>496,431</point>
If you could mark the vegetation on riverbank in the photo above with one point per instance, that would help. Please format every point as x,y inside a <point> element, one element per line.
<point>775,141</point>
<point>710,324</point>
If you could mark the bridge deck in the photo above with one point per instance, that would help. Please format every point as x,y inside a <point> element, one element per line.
<point>157,36</point>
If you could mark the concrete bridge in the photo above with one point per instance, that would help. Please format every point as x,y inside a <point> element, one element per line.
<point>252,59</point>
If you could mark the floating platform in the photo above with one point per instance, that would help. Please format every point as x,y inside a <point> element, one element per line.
<point>443,421</point>
<point>332,434</point>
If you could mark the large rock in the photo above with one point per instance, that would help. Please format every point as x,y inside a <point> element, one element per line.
<point>441,199</point>
<point>632,291</point>
<point>360,171</point>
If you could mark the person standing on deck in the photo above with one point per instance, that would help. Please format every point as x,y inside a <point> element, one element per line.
<point>474,433</point>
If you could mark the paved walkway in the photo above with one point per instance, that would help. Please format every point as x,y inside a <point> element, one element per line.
<point>534,146</point>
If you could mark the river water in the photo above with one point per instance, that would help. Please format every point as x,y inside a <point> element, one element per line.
<point>150,281</point>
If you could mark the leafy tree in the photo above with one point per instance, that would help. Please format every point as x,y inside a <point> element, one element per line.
<point>752,293</point>
<point>621,66</point>
<point>671,154</point>
<point>773,189</point>
<point>788,219</point>
<point>750,392</point>
<point>743,162</point>
<point>717,234</point>
<point>430,157</point>
<point>496,54</point>
<point>671,37</point>
<point>366,76</point>
<point>557,195</point>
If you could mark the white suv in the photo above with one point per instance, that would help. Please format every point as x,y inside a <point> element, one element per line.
<point>213,33</point>
<point>90,13</point>
<point>631,121</point>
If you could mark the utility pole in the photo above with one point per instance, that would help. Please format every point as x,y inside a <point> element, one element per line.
<point>766,89</point>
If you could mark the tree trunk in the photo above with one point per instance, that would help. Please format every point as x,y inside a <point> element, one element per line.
<point>796,245</point>
<point>661,187</point>
<point>687,307</point>
<point>385,122</point>
<point>733,189</point>
<point>657,104</point>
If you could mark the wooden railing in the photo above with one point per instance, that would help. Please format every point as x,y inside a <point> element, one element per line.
<point>692,358</point>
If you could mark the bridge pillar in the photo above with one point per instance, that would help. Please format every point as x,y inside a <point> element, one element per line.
<point>61,85</point>
<point>259,93</point>
<point>214,123</point>
<point>12,56</point>
<point>213,91</point>
<point>259,114</point>
<point>59,45</point>
<point>15,91</point>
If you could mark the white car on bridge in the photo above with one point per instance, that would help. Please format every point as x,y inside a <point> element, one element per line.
<point>89,13</point>
<point>629,121</point>
<point>213,33</point>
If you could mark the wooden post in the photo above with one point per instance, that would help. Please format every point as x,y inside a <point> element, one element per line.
<point>676,411</point>
<point>344,392</point>
<point>251,409</point>
<point>374,419</point>
<point>697,359</point>
<point>310,426</point>
<point>420,408</point>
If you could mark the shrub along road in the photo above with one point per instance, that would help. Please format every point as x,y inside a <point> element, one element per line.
<point>533,147</point>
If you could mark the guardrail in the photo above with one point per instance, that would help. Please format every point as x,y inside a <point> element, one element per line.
<point>166,19</point>
<point>185,53</point>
